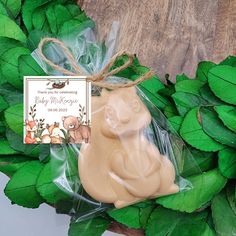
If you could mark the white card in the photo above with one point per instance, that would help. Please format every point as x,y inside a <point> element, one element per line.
<point>57,109</point>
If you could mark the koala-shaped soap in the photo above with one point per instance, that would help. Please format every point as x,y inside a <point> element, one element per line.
<point>121,165</point>
<point>78,133</point>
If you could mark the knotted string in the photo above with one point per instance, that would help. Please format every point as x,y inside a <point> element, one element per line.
<point>96,79</point>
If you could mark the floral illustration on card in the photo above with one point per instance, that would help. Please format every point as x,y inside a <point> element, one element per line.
<point>71,129</point>
<point>57,110</point>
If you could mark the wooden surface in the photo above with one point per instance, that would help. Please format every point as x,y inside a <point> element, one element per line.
<point>171,36</point>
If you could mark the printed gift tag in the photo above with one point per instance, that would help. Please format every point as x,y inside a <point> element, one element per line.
<point>57,109</point>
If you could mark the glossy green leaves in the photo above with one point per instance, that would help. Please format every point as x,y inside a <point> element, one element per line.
<point>128,216</point>
<point>227,162</point>
<point>94,227</point>
<point>10,29</point>
<point>222,81</point>
<point>205,187</point>
<point>224,217</point>
<point>21,189</point>
<point>14,118</point>
<point>164,222</point>
<point>192,132</point>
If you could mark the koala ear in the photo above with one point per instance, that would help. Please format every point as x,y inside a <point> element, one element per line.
<point>63,118</point>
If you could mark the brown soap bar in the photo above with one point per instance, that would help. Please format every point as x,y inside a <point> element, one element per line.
<point>120,165</point>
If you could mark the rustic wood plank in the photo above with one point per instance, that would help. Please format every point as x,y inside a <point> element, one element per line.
<point>168,35</point>
<point>224,40</point>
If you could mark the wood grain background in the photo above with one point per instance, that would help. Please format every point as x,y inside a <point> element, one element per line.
<point>171,36</point>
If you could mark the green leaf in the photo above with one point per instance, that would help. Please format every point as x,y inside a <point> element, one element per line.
<point>8,43</point>
<point>222,81</point>
<point>205,187</point>
<point>191,131</point>
<point>129,72</point>
<point>144,203</point>
<point>227,162</point>
<point>29,67</point>
<point>205,160</point>
<point>57,15</point>
<point>39,18</point>
<point>11,94</point>
<point>49,191</point>
<point>209,96</point>
<point>73,9</point>
<point>228,116</point>
<point>156,99</point>
<point>181,78</point>
<point>2,127</point>
<point>230,191</point>
<point>3,104</point>
<point>128,216</point>
<point>189,86</point>
<point>203,69</point>
<point>153,84</point>
<point>186,101</point>
<point>5,148</point>
<point>3,10</point>
<point>82,17</point>
<point>215,128</point>
<point>170,111</point>
<point>144,215</point>
<point>27,11</point>
<point>9,62</point>
<point>176,122</point>
<point>165,222</point>
<point>14,118</point>
<point>9,165</point>
<point>10,29</point>
<point>94,227</point>
<point>201,161</point>
<point>167,91</point>
<point>223,216</point>
<point>13,6</point>
<point>34,38</point>
<point>187,95</point>
<point>62,168</point>
<point>72,28</point>
<point>21,188</point>
<point>16,142</point>
<point>230,61</point>
<point>44,153</point>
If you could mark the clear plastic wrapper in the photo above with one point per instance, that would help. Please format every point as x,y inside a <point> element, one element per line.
<point>134,154</point>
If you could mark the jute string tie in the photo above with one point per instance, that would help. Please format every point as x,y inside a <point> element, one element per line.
<point>96,79</point>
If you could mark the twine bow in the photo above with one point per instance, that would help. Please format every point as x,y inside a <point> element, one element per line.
<point>96,79</point>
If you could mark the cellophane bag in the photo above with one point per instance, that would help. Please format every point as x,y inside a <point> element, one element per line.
<point>134,155</point>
